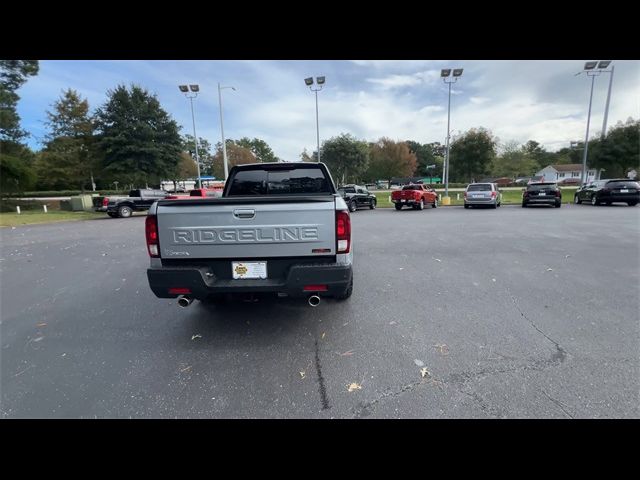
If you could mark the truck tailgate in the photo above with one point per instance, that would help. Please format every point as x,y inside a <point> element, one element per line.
<point>247,228</point>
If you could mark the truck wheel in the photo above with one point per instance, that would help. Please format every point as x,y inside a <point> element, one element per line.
<point>398,206</point>
<point>352,206</point>
<point>124,211</point>
<point>466,206</point>
<point>347,293</point>
<point>372,206</point>
<point>421,204</point>
<point>435,203</point>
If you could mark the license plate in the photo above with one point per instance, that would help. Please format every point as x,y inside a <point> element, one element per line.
<point>541,194</point>
<point>403,201</point>
<point>249,270</point>
<point>624,190</point>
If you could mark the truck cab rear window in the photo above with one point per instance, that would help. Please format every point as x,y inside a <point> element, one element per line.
<point>279,182</point>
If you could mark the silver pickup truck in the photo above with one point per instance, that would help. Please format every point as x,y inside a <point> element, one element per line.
<point>278,228</point>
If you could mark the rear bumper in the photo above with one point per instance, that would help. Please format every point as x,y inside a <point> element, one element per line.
<point>100,209</point>
<point>620,197</point>
<point>542,201</point>
<point>481,201</point>
<point>203,283</point>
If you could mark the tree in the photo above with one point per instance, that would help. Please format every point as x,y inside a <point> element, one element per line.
<point>346,157</point>
<point>236,155</point>
<point>16,175</point>
<point>13,74</point>
<point>66,160</point>
<point>305,157</point>
<point>514,161</point>
<point>204,152</point>
<point>391,159</point>
<point>260,149</point>
<point>139,139</point>
<point>425,155</point>
<point>619,152</point>
<point>471,155</point>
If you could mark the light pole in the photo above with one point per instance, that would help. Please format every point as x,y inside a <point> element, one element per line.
<point>445,73</point>
<point>224,144</point>
<point>606,108</point>
<point>194,93</point>
<point>320,82</point>
<point>592,69</point>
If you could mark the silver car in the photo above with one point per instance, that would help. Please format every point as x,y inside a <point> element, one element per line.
<point>482,194</point>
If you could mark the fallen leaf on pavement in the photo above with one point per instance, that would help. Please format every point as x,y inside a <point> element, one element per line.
<point>302,374</point>
<point>354,386</point>
<point>41,324</point>
<point>419,363</point>
<point>197,335</point>
<point>346,354</point>
<point>437,259</point>
<point>393,322</point>
<point>549,269</point>
<point>424,372</point>
<point>187,368</point>
<point>323,334</point>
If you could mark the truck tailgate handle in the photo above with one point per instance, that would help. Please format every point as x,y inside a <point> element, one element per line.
<point>244,213</point>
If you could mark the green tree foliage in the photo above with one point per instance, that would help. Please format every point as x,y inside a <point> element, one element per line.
<point>619,152</point>
<point>426,155</point>
<point>204,152</point>
<point>305,157</point>
<point>514,161</point>
<point>260,149</point>
<point>391,159</point>
<point>236,155</point>
<point>16,173</point>
<point>139,140</point>
<point>346,157</point>
<point>13,74</point>
<point>471,155</point>
<point>67,161</point>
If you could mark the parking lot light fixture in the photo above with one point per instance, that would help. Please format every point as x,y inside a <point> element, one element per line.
<point>444,73</point>
<point>194,93</point>
<point>320,81</point>
<point>594,69</point>
<point>224,143</point>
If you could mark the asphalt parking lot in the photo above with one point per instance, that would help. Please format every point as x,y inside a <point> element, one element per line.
<point>482,313</point>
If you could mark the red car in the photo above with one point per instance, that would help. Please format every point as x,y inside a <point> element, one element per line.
<point>416,196</point>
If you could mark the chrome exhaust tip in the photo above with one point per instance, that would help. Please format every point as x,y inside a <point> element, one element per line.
<point>184,302</point>
<point>314,300</point>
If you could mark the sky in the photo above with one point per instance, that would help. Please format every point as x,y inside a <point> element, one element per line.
<point>400,99</point>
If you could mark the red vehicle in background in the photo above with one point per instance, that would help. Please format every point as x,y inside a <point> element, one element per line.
<point>417,196</point>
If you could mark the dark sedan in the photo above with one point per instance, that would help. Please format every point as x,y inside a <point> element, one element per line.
<point>357,196</point>
<point>608,192</point>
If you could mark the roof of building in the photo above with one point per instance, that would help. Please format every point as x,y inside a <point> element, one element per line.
<point>570,167</point>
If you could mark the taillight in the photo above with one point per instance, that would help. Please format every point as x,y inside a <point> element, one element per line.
<point>465,194</point>
<point>105,201</point>
<point>493,194</point>
<point>151,231</point>
<point>343,231</point>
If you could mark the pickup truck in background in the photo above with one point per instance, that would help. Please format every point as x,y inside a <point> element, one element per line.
<point>417,196</point>
<point>278,228</point>
<point>137,201</point>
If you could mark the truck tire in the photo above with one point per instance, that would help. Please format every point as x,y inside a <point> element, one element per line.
<point>398,206</point>
<point>435,203</point>
<point>421,204</point>
<point>125,211</point>
<point>372,206</point>
<point>347,293</point>
<point>352,206</point>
